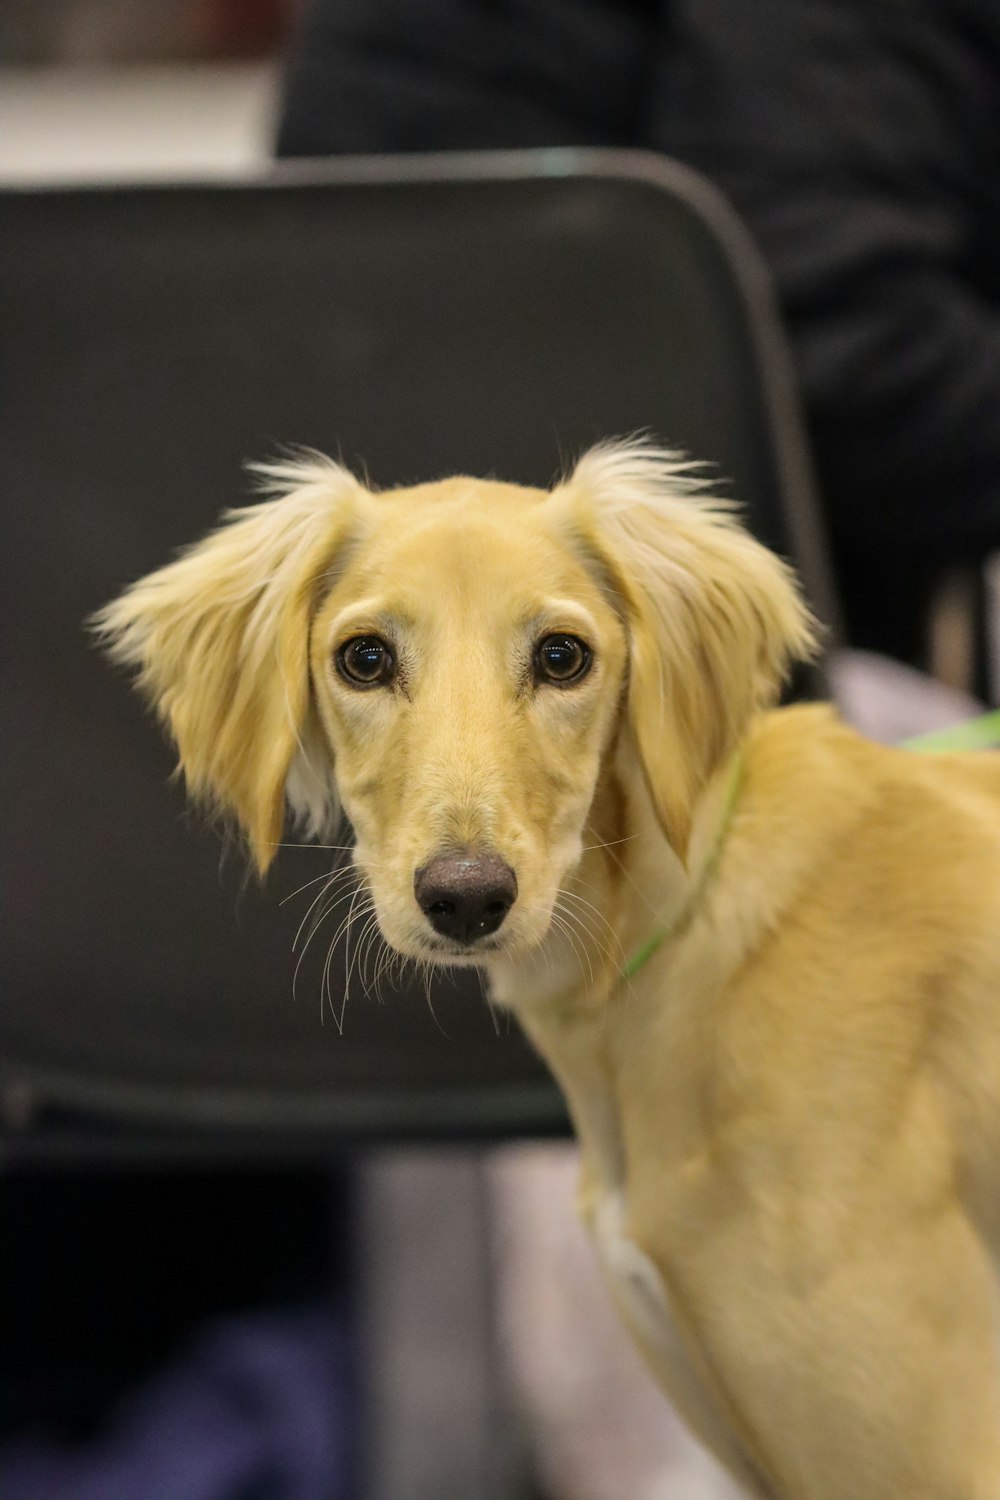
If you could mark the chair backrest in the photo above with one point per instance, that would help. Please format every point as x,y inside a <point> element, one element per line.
<point>419,317</point>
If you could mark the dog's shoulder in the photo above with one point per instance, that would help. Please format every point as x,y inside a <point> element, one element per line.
<point>828,816</point>
<point>807,751</point>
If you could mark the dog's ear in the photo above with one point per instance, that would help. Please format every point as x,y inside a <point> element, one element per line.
<point>221,642</point>
<point>714,619</point>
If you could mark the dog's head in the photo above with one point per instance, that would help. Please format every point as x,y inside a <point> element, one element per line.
<point>454,663</point>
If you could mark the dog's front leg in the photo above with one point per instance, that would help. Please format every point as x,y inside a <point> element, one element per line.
<point>672,1351</point>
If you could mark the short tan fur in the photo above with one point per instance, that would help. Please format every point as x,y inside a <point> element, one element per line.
<point>790,1115</point>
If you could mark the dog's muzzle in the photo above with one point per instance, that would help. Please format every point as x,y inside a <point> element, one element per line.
<point>465,895</point>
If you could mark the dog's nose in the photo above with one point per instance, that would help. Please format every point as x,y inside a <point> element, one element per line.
<point>466,895</point>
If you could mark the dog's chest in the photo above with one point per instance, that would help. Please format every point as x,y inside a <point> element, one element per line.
<point>622,1157</point>
<point>640,1291</point>
<point>646,1305</point>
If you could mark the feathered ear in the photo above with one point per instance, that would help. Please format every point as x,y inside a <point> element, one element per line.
<point>221,641</point>
<point>714,619</point>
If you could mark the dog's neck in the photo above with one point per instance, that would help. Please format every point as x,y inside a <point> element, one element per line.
<point>628,890</point>
<point>573,991</point>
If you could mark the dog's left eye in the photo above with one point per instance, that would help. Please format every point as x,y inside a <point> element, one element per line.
<point>365,661</point>
<point>562,659</point>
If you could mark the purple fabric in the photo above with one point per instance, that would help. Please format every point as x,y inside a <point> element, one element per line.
<point>258,1409</point>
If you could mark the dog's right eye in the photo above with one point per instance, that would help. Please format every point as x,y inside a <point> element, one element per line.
<point>562,660</point>
<point>366,661</point>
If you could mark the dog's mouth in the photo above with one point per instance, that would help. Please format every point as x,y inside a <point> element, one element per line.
<point>472,952</point>
<point>413,938</point>
<point>513,939</point>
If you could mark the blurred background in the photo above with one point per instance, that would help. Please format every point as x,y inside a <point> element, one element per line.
<point>262,1323</point>
<point>92,90</point>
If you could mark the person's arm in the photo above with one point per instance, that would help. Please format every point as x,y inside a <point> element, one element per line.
<point>855,138</point>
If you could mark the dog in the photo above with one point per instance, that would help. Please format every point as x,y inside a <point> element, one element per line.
<point>760,954</point>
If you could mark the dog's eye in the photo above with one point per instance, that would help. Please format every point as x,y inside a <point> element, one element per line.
<point>561,659</point>
<point>366,661</point>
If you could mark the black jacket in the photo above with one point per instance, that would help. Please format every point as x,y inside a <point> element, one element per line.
<point>860,140</point>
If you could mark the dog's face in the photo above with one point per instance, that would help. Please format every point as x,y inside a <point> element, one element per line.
<point>454,663</point>
<point>468,668</point>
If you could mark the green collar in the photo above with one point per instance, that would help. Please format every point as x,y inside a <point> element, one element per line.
<point>730,798</point>
<point>982,733</point>
<point>975,734</point>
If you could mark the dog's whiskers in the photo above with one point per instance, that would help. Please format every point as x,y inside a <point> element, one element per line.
<point>427,969</point>
<point>309,844</point>
<point>657,915</point>
<point>368,938</point>
<point>320,919</point>
<point>608,843</point>
<point>383,964</point>
<point>337,872</point>
<point>616,960</point>
<point>568,895</point>
<point>484,991</point>
<point>324,910</point>
<point>562,921</point>
<point>388,961</point>
<point>325,906</point>
<point>326,992</point>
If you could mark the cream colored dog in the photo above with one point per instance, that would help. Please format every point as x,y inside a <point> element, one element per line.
<point>760,954</point>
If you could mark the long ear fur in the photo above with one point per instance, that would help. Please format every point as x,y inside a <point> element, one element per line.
<point>221,641</point>
<point>714,618</point>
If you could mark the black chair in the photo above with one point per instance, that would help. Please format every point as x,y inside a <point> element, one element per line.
<point>418,316</point>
